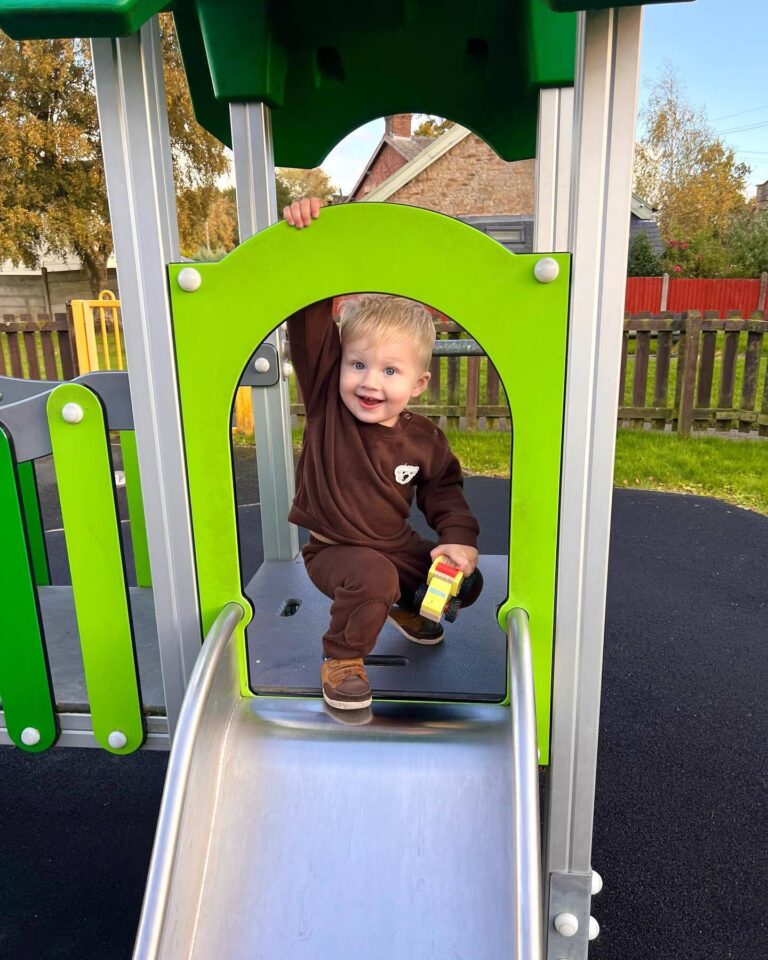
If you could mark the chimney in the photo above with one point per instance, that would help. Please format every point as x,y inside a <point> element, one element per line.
<point>398,125</point>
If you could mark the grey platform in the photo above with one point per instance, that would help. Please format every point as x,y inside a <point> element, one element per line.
<point>284,651</point>
<point>65,658</point>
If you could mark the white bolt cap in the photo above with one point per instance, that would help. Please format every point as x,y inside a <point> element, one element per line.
<point>597,883</point>
<point>72,412</point>
<point>594,928</point>
<point>261,365</point>
<point>287,369</point>
<point>546,270</point>
<point>189,279</point>
<point>117,739</point>
<point>566,924</point>
<point>30,736</point>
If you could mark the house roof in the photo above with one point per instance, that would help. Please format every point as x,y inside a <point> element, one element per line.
<point>407,147</point>
<point>427,155</point>
<point>436,149</point>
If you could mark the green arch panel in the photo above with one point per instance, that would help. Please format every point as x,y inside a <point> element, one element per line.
<point>520,322</point>
<point>84,475</point>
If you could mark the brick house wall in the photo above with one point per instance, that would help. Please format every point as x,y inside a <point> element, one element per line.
<point>386,163</point>
<point>471,180</point>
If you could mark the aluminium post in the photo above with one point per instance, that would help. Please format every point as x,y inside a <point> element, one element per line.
<point>130,97</point>
<point>553,169</point>
<point>256,209</point>
<point>607,68</point>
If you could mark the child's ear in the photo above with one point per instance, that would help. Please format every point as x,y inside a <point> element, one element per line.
<point>421,383</point>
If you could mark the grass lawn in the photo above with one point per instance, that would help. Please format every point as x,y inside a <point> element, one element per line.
<point>732,470</point>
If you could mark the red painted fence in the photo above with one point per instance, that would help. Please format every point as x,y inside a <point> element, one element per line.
<point>659,294</point>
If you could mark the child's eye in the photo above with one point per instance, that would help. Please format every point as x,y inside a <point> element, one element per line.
<point>390,371</point>
<point>358,365</point>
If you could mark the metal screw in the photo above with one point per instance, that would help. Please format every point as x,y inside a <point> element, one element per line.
<point>261,365</point>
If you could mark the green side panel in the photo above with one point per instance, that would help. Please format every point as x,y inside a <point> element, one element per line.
<point>34,523</point>
<point>397,250</point>
<point>25,681</point>
<point>91,527</point>
<point>135,508</point>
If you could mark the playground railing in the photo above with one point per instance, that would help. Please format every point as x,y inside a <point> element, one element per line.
<point>105,350</point>
<point>71,422</point>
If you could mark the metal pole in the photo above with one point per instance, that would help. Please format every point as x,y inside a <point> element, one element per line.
<point>553,169</point>
<point>134,129</point>
<point>604,124</point>
<point>256,209</point>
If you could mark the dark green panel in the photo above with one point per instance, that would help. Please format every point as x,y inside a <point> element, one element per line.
<point>44,19</point>
<point>34,523</point>
<point>25,682</point>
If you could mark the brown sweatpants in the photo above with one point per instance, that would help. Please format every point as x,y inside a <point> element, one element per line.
<point>363,584</point>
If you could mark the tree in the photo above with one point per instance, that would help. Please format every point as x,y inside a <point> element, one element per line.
<point>682,168</point>
<point>642,261</point>
<point>433,127</point>
<point>748,244</point>
<point>293,184</point>
<point>52,189</point>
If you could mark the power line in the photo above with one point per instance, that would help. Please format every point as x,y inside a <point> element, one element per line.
<point>740,113</point>
<point>751,126</point>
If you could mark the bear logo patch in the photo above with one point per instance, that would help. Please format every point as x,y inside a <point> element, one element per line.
<point>405,473</point>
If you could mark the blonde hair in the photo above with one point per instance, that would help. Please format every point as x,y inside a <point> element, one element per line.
<point>382,317</point>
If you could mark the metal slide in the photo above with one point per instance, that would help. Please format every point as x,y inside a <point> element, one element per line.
<point>286,834</point>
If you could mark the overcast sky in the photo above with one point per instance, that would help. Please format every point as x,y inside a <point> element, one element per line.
<point>718,48</point>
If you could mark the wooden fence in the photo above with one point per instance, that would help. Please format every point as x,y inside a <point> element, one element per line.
<point>692,373</point>
<point>40,349</point>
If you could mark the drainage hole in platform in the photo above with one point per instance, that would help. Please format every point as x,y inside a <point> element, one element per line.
<point>289,607</point>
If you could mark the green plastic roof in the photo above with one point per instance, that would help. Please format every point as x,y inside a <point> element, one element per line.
<point>327,68</point>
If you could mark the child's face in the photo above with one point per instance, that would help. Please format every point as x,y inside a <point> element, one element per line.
<point>378,379</point>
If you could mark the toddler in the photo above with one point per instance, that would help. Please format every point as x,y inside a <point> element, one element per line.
<point>363,457</point>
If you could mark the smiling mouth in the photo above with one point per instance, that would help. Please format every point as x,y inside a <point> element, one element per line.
<point>369,402</point>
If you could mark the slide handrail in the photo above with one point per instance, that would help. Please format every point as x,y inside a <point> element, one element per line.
<point>527,880</point>
<point>179,768</point>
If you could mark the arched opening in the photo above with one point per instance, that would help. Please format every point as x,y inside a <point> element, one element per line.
<point>464,400</point>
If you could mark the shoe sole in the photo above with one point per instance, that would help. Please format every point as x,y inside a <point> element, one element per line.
<point>346,704</point>
<point>426,642</point>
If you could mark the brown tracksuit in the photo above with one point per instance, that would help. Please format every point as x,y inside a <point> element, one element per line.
<point>355,483</point>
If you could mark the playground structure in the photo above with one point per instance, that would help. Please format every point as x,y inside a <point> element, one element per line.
<point>437,794</point>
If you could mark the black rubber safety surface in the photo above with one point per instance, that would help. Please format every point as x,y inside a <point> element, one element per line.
<point>680,823</point>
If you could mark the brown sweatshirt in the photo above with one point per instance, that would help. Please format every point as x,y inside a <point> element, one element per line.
<point>355,481</point>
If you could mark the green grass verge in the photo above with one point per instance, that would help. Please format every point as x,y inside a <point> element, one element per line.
<point>732,470</point>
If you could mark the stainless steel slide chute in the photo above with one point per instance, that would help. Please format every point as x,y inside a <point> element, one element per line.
<point>288,834</point>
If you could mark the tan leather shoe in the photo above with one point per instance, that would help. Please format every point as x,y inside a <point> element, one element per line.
<point>345,684</point>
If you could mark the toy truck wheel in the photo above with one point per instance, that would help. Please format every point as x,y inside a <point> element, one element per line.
<point>418,597</point>
<point>452,610</point>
